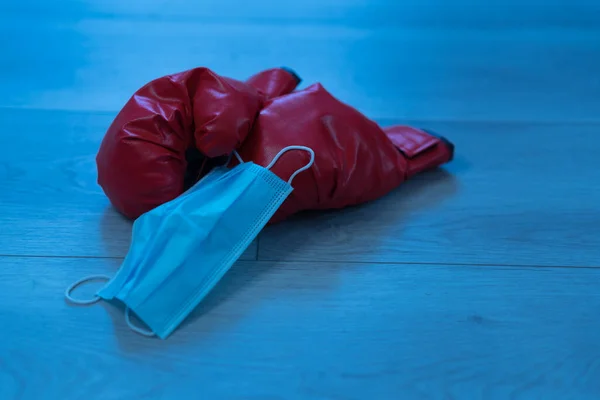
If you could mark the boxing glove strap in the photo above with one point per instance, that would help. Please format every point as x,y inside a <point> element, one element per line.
<point>422,149</point>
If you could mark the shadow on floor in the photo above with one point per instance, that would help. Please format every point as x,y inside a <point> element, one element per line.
<point>320,236</point>
<point>416,195</point>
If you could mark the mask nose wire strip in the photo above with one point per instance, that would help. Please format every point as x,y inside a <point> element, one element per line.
<point>87,279</point>
<point>286,149</point>
<point>134,328</point>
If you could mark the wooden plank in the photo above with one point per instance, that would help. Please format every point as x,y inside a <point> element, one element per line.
<point>312,330</point>
<point>375,13</point>
<point>523,194</point>
<point>388,59</point>
<point>50,203</point>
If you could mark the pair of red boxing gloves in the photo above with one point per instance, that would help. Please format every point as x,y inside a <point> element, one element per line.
<point>174,129</point>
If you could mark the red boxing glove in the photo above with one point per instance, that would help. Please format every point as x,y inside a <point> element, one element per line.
<point>144,155</point>
<point>168,128</point>
<point>355,160</point>
<point>423,149</point>
<point>275,82</point>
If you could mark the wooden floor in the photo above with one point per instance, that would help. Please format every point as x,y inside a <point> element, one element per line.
<point>480,280</point>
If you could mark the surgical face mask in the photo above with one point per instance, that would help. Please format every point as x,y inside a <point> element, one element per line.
<point>181,249</point>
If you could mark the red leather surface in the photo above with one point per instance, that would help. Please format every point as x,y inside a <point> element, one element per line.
<point>142,159</point>
<point>141,162</point>
<point>355,160</point>
<point>422,150</point>
<point>274,82</point>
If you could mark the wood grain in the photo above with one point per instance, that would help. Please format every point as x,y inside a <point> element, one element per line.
<point>517,193</point>
<point>404,298</point>
<point>50,202</point>
<point>396,60</point>
<point>311,330</point>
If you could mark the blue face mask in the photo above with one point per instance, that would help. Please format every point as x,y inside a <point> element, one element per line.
<point>181,249</point>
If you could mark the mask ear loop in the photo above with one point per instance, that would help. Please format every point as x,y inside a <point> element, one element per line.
<point>286,149</point>
<point>87,279</point>
<point>134,328</point>
<point>202,169</point>
<point>97,298</point>
<point>237,155</point>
